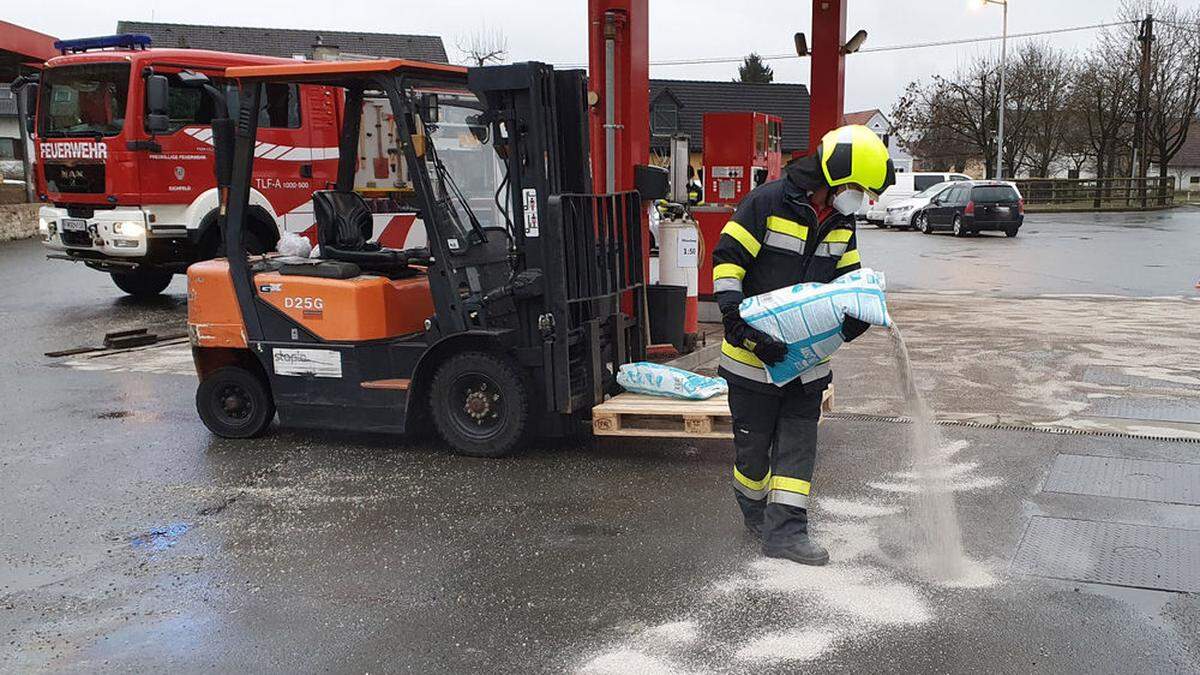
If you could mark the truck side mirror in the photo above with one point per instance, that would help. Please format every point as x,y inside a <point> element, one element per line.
<point>29,97</point>
<point>157,91</point>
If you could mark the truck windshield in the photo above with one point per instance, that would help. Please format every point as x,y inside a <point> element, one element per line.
<point>84,100</point>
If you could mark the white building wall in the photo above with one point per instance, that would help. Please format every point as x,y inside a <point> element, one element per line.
<point>1187,178</point>
<point>9,128</point>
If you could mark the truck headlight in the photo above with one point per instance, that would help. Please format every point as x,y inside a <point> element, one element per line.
<point>129,228</point>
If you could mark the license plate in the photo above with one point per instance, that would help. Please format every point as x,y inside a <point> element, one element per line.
<point>74,225</point>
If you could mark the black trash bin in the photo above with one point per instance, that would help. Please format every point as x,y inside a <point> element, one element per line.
<point>667,306</point>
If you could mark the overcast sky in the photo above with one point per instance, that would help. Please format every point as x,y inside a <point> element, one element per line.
<point>554,30</point>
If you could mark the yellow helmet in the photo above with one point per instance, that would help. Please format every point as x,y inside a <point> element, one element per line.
<point>854,154</point>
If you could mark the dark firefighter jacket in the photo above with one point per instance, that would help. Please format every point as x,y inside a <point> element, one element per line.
<point>775,240</point>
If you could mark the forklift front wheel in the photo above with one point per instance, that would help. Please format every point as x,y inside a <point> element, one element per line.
<point>480,404</point>
<point>235,403</point>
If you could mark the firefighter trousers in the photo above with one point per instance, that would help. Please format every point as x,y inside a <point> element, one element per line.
<point>775,440</point>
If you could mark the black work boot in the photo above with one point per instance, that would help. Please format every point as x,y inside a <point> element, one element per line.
<point>800,549</point>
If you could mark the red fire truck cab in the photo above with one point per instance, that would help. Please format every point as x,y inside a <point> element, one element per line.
<point>142,206</point>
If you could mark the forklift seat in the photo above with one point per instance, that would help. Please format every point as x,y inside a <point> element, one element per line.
<point>343,229</point>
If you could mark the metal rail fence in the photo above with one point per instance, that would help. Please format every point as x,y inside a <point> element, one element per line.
<point>1153,192</point>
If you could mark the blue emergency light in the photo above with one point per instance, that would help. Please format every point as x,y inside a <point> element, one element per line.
<point>122,41</point>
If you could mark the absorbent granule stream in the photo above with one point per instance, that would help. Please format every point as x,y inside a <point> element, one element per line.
<point>937,538</point>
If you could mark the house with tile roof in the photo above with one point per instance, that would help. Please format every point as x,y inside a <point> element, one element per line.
<point>1185,165</point>
<point>289,42</point>
<point>876,121</point>
<point>678,107</point>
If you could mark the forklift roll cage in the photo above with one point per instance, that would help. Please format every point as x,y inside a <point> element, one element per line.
<point>559,290</point>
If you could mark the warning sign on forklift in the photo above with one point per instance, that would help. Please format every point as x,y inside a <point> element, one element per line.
<point>529,197</point>
<point>315,362</point>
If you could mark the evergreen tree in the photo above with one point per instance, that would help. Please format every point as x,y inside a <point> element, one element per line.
<point>755,71</point>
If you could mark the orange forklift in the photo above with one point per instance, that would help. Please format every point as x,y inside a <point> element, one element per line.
<point>510,324</point>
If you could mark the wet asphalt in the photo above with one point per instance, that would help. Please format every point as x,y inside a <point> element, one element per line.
<point>1128,254</point>
<point>134,540</point>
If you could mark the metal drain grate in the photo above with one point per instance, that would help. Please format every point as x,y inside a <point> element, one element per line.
<point>1126,478</point>
<point>1160,409</point>
<point>1113,376</point>
<point>1118,554</point>
<point>897,419</point>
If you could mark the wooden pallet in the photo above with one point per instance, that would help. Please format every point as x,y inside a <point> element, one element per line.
<point>657,416</point>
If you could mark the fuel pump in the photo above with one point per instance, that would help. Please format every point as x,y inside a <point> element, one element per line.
<point>741,151</point>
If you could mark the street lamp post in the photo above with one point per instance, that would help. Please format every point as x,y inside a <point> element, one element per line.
<point>1003,62</point>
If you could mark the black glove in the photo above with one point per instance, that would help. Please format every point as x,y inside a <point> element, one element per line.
<point>852,328</point>
<point>741,334</point>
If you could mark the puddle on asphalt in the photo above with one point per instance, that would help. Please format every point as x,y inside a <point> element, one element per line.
<point>160,538</point>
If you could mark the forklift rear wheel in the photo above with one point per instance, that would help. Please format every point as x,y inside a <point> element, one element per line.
<point>235,403</point>
<point>480,404</point>
<point>142,282</point>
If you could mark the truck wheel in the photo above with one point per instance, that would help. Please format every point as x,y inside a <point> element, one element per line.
<point>958,227</point>
<point>480,404</point>
<point>235,403</point>
<point>142,282</point>
<point>1011,232</point>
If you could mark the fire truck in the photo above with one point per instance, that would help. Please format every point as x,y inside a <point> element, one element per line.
<point>130,190</point>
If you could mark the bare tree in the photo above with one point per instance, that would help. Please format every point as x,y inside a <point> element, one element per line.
<point>919,128</point>
<point>1046,79</point>
<point>956,112</point>
<point>1106,97</point>
<point>1174,86</point>
<point>484,46</point>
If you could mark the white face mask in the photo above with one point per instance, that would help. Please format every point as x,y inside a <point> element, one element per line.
<point>848,201</point>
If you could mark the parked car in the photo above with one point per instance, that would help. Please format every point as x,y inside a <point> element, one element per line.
<point>904,212</point>
<point>974,206</point>
<point>907,185</point>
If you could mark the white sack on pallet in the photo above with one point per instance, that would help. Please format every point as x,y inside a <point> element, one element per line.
<point>808,317</point>
<point>658,379</point>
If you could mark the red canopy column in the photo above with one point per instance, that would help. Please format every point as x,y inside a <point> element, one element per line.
<point>828,75</point>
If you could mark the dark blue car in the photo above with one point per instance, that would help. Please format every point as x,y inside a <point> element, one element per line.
<point>974,206</point>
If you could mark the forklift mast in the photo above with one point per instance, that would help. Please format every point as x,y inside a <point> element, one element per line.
<point>582,251</point>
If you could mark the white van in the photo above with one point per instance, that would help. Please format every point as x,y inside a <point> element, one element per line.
<point>907,185</point>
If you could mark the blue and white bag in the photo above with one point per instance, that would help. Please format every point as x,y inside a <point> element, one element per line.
<point>657,379</point>
<point>808,317</point>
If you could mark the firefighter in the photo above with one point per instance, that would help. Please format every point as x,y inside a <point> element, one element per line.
<point>799,228</point>
<point>695,191</point>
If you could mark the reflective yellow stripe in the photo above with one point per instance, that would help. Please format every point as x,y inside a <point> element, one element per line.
<point>786,226</point>
<point>752,484</point>
<point>728,270</point>
<point>790,484</point>
<point>849,258</point>
<point>743,236</point>
<point>836,236</point>
<point>740,355</point>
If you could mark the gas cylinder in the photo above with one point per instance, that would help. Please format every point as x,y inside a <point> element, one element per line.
<point>679,253</point>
